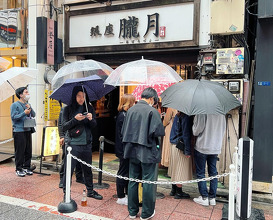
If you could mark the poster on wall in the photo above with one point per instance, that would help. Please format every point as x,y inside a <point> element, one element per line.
<point>8,28</point>
<point>52,107</point>
<point>230,61</point>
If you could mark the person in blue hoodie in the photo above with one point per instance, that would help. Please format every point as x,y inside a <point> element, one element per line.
<point>180,160</point>
<point>21,111</point>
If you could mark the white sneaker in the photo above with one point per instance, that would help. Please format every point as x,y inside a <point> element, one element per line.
<point>201,201</point>
<point>148,217</point>
<point>132,216</point>
<point>212,201</point>
<point>122,201</point>
<point>27,171</point>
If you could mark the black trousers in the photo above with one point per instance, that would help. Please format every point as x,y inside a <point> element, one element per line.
<point>78,170</point>
<point>122,185</point>
<point>23,149</point>
<point>83,152</point>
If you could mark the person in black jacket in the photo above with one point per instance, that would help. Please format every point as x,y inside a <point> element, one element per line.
<point>126,102</point>
<point>63,142</point>
<point>141,131</point>
<point>78,119</point>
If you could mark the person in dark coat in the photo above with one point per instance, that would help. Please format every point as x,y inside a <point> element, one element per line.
<point>64,138</point>
<point>126,102</point>
<point>180,161</point>
<point>141,131</point>
<point>78,119</point>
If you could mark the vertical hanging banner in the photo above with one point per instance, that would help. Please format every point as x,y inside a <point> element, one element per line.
<point>50,41</point>
<point>8,27</point>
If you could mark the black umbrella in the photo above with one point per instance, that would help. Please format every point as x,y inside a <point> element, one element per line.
<point>195,97</point>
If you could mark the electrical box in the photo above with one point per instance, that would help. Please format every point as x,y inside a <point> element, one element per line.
<point>230,61</point>
<point>235,86</point>
<point>227,16</point>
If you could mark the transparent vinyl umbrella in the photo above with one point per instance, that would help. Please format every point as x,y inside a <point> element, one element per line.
<point>142,72</point>
<point>4,64</point>
<point>80,69</point>
<point>14,78</point>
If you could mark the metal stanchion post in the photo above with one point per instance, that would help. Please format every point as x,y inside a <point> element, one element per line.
<point>68,205</point>
<point>231,210</point>
<point>101,185</point>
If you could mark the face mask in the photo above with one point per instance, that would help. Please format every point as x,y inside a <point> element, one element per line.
<point>151,105</point>
<point>27,97</point>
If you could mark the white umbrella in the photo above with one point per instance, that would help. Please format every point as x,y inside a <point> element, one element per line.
<point>79,69</point>
<point>4,64</point>
<point>14,78</point>
<point>142,72</point>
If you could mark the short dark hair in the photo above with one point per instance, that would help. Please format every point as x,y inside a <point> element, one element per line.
<point>149,93</point>
<point>19,91</point>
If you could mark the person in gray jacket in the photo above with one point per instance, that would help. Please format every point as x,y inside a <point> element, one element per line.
<point>210,130</point>
<point>21,111</point>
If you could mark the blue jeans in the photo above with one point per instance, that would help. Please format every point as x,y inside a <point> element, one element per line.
<point>200,163</point>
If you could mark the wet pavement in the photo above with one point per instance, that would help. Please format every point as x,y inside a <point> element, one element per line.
<point>37,197</point>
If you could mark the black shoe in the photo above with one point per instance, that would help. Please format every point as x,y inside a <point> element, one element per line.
<point>173,191</point>
<point>80,181</point>
<point>94,194</point>
<point>61,185</point>
<point>182,195</point>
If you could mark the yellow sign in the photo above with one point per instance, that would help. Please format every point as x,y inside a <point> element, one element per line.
<point>52,107</point>
<point>52,141</point>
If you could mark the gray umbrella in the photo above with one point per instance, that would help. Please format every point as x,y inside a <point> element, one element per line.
<point>199,97</point>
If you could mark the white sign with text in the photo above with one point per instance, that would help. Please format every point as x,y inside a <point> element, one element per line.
<point>105,29</point>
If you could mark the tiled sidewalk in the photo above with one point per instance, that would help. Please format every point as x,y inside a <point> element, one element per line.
<point>44,189</point>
